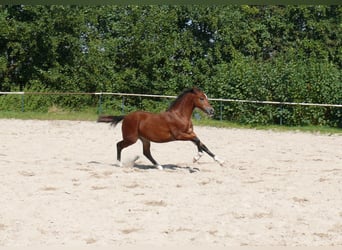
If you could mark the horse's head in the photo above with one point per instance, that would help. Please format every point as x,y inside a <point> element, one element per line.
<point>201,101</point>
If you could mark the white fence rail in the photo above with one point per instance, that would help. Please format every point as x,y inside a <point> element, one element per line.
<point>221,100</point>
<point>172,97</point>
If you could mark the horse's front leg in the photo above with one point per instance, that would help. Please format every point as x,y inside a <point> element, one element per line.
<point>199,154</point>
<point>201,147</point>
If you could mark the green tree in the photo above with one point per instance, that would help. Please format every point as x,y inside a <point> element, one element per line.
<point>276,53</point>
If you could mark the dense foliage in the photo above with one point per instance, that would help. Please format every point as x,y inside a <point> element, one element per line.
<point>276,53</point>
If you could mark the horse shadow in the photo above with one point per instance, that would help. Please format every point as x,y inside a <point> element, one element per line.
<point>170,167</point>
<point>167,167</point>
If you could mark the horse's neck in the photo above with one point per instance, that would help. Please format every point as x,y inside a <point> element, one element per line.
<point>184,108</point>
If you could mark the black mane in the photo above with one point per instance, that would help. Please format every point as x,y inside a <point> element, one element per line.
<point>185,92</point>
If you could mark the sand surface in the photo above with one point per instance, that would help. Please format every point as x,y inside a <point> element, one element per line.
<point>59,186</point>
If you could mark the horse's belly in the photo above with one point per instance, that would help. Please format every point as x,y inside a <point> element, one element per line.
<point>156,135</point>
<point>155,130</point>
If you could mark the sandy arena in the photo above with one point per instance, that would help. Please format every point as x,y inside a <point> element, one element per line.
<point>59,186</point>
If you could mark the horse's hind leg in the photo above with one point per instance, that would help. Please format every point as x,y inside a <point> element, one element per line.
<point>120,146</point>
<point>147,153</point>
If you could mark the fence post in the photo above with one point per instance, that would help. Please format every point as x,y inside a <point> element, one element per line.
<point>281,115</point>
<point>22,103</point>
<point>221,109</point>
<point>99,108</point>
<point>123,105</point>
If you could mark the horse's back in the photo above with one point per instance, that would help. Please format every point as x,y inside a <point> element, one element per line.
<point>139,116</point>
<point>151,126</point>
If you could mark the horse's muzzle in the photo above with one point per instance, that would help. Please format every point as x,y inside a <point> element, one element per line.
<point>210,111</point>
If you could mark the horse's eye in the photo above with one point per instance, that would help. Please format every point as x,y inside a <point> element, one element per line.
<point>202,98</point>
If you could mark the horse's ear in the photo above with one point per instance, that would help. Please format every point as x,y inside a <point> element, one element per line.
<point>194,89</point>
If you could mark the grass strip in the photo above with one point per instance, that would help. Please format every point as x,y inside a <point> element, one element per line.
<point>91,115</point>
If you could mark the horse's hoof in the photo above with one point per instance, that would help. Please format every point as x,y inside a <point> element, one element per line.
<point>159,167</point>
<point>197,157</point>
<point>118,164</point>
<point>219,161</point>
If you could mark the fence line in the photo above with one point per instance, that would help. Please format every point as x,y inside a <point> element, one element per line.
<point>172,97</point>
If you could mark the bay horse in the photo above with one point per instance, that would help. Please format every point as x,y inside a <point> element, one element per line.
<point>173,124</point>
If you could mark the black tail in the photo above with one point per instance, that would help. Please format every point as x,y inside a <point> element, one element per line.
<point>111,118</point>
